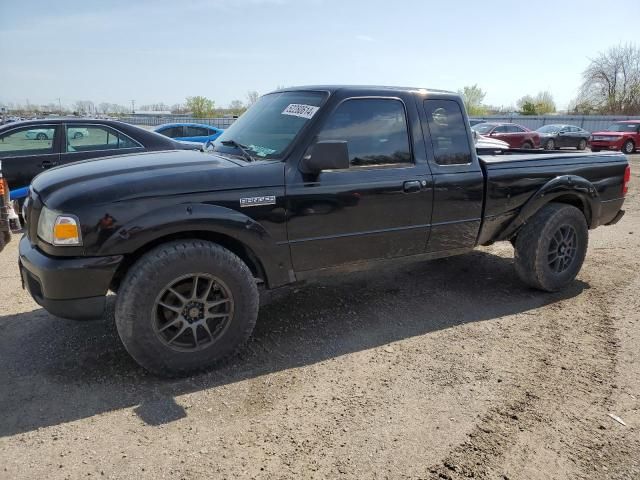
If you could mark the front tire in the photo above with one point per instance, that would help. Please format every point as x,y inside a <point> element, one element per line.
<point>78,135</point>
<point>628,147</point>
<point>184,306</point>
<point>551,247</point>
<point>549,145</point>
<point>527,145</point>
<point>41,136</point>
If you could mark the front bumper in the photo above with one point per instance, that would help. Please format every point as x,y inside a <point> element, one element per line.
<point>68,287</point>
<point>606,144</point>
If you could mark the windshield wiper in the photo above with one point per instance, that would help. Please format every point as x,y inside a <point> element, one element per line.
<point>243,148</point>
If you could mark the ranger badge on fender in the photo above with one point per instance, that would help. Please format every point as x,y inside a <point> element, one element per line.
<point>254,201</point>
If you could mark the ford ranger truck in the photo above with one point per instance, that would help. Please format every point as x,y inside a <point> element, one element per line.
<point>309,181</point>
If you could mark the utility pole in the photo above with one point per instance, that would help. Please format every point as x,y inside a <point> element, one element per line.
<point>59,105</point>
<point>133,106</point>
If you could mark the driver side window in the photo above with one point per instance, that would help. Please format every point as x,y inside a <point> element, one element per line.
<point>375,131</point>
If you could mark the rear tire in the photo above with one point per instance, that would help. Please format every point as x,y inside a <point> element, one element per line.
<point>41,136</point>
<point>527,145</point>
<point>551,247</point>
<point>582,144</point>
<point>159,298</point>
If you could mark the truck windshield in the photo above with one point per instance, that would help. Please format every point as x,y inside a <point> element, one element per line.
<point>269,126</point>
<point>623,127</point>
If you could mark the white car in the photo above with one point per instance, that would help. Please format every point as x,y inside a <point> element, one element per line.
<point>489,146</point>
<point>45,133</point>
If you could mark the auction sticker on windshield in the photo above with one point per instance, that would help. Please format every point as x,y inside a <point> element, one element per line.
<point>300,110</point>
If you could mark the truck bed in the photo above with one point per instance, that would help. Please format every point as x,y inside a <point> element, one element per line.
<point>507,190</point>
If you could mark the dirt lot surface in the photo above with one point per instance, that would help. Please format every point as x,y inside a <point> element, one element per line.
<point>450,369</point>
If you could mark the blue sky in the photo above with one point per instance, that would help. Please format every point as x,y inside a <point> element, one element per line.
<point>164,51</point>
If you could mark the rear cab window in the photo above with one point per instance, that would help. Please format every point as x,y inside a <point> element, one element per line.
<point>448,133</point>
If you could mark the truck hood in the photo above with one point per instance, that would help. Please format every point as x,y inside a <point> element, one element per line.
<point>129,177</point>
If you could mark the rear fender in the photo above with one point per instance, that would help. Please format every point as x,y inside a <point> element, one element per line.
<point>570,189</point>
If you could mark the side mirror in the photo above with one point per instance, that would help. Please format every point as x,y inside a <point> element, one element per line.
<point>326,155</point>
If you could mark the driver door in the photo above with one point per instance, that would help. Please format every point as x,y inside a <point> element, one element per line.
<point>380,207</point>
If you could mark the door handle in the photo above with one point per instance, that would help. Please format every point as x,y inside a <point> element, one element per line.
<point>49,164</point>
<point>412,186</point>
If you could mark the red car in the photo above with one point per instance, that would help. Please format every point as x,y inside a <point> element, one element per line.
<point>515,135</point>
<point>623,136</point>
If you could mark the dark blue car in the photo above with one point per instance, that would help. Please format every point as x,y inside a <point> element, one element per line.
<point>189,132</point>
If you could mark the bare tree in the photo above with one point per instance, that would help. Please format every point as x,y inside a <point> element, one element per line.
<point>541,104</point>
<point>611,82</point>
<point>83,107</point>
<point>178,108</point>
<point>155,107</point>
<point>252,97</point>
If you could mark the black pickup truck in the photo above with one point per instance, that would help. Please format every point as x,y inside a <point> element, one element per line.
<point>308,181</point>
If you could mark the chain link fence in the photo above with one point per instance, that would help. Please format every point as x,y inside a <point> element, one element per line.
<point>154,120</point>
<point>591,123</point>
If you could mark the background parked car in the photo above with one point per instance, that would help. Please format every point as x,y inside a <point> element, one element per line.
<point>515,135</point>
<point>28,148</point>
<point>559,136</point>
<point>189,132</point>
<point>488,145</point>
<point>624,136</point>
<point>43,133</point>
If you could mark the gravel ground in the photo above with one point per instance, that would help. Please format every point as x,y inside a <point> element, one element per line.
<point>450,369</point>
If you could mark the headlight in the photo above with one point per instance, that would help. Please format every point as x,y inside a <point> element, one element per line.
<point>58,229</point>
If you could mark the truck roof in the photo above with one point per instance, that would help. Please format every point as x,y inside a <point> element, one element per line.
<point>368,89</point>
